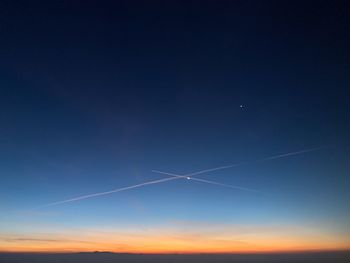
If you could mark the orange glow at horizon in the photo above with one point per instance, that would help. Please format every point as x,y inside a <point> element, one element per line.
<point>168,243</point>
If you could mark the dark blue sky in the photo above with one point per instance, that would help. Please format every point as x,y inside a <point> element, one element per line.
<point>94,95</point>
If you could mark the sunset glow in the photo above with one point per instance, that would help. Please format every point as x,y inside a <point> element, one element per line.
<point>172,128</point>
<point>186,239</point>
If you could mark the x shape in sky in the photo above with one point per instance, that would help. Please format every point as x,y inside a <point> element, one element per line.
<point>189,177</point>
<point>186,176</point>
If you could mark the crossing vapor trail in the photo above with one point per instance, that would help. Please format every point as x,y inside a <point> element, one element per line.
<point>273,157</point>
<point>177,177</point>
<point>207,181</point>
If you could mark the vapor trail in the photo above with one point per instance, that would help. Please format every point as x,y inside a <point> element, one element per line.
<point>175,177</point>
<point>109,192</point>
<point>292,153</point>
<point>251,162</point>
<point>207,181</point>
<point>225,185</point>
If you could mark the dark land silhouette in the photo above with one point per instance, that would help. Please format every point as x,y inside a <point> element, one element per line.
<point>107,257</point>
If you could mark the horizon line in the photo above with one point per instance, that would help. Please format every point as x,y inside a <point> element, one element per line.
<point>257,252</point>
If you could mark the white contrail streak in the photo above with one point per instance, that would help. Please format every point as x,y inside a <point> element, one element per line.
<point>251,162</point>
<point>207,181</point>
<point>225,185</point>
<point>109,192</point>
<point>174,177</point>
<point>292,153</point>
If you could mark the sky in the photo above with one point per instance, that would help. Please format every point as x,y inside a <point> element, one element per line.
<point>95,95</point>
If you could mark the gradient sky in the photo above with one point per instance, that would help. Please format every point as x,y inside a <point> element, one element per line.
<point>94,95</point>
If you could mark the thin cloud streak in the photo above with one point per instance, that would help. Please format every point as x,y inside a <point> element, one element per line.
<point>176,177</point>
<point>225,185</point>
<point>251,162</point>
<point>109,192</point>
<point>293,153</point>
<point>207,181</point>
